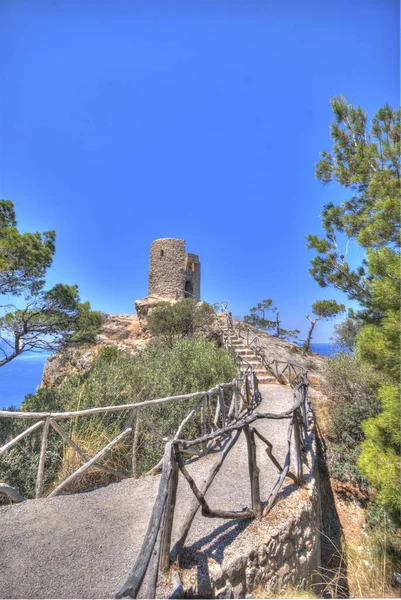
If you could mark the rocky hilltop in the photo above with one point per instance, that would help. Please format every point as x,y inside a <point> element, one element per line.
<point>129,333</point>
<point>119,331</point>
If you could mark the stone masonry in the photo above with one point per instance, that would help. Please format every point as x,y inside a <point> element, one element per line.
<point>173,273</point>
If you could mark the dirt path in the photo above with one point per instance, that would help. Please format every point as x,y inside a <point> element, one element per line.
<point>84,545</point>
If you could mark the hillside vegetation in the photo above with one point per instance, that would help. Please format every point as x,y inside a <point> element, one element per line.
<point>187,362</point>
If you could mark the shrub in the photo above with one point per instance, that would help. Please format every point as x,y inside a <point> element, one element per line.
<point>380,452</point>
<point>352,388</point>
<point>116,378</point>
<point>19,465</point>
<point>183,319</point>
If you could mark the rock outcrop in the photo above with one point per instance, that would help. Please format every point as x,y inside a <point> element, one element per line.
<point>129,333</point>
<point>124,332</point>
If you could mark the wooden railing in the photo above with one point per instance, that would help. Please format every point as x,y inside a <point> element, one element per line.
<point>221,414</point>
<point>285,372</point>
<point>212,404</point>
<point>156,549</point>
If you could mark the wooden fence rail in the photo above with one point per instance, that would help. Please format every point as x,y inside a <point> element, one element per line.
<point>223,413</point>
<point>240,417</point>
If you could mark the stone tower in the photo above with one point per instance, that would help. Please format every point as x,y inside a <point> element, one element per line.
<point>173,274</point>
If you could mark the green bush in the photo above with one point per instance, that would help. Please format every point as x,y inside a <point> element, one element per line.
<point>19,465</point>
<point>380,452</point>
<point>114,378</point>
<point>352,388</point>
<point>184,319</point>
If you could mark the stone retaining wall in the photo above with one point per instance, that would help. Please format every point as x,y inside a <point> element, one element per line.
<point>286,548</point>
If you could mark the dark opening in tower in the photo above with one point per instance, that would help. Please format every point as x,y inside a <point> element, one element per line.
<point>189,290</point>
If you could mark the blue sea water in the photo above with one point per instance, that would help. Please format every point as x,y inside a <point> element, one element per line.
<point>20,377</point>
<point>325,349</point>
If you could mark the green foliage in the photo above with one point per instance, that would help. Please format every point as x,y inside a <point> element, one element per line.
<point>365,159</point>
<point>322,309</point>
<point>19,465</point>
<point>367,162</point>
<point>257,318</point>
<point>49,318</point>
<point>183,319</point>
<point>24,257</point>
<point>327,309</point>
<point>380,456</point>
<point>346,334</point>
<point>352,386</point>
<point>115,378</point>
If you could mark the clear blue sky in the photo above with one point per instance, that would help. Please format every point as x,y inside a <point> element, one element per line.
<point>122,122</point>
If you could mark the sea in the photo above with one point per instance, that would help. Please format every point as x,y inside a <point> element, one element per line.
<point>325,348</point>
<point>22,375</point>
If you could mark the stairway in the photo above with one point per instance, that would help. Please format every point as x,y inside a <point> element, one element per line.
<point>240,347</point>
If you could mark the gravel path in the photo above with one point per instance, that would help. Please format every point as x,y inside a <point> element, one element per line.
<point>84,545</point>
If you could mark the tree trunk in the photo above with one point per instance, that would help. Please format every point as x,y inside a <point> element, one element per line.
<point>309,336</point>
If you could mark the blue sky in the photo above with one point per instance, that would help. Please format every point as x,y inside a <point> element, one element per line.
<point>122,122</point>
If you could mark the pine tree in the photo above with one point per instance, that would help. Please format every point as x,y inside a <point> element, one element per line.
<point>365,159</point>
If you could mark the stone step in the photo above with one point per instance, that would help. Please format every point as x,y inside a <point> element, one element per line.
<point>241,347</point>
<point>263,380</point>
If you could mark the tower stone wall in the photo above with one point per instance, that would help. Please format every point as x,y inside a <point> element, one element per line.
<point>173,274</point>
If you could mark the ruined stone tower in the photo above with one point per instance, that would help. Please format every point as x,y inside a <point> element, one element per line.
<point>173,273</point>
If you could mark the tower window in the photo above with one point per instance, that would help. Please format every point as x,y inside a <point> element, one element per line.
<point>189,290</point>
<point>161,253</point>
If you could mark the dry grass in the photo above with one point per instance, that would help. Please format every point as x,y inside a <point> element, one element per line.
<point>91,439</point>
<point>362,572</point>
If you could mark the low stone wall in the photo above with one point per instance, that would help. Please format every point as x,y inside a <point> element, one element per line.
<point>285,544</point>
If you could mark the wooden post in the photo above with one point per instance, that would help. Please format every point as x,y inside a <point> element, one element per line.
<point>222,406</point>
<point>204,421</point>
<point>216,414</point>
<point>42,458</point>
<point>169,515</point>
<point>149,583</point>
<point>253,470</point>
<point>304,415</point>
<point>297,447</point>
<point>135,427</point>
<point>135,578</point>
<point>247,390</point>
